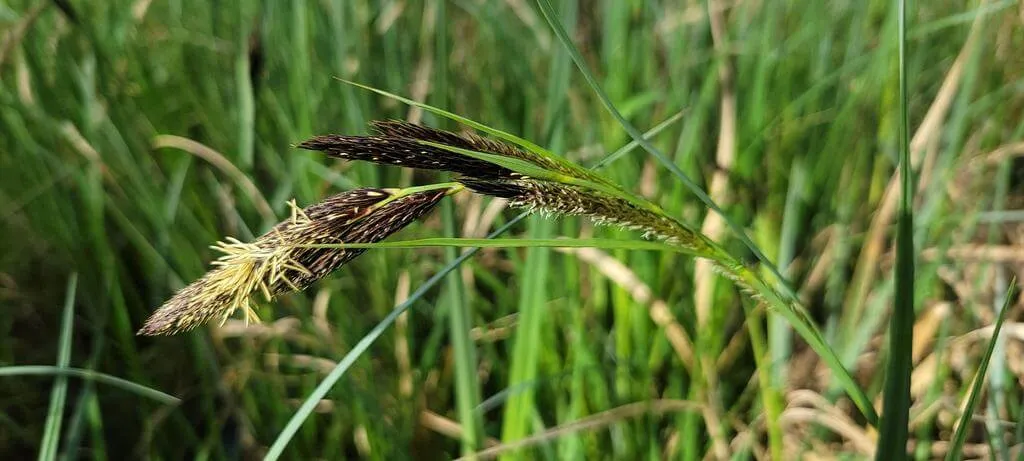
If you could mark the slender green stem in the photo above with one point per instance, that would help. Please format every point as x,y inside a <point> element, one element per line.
<point>55,416</point>
<point>892,444</point>
<point>460,320</point>
<point>521,406</point>
<point>453,188</point>
<point>405,191</point>
<point>770,398</point>
<point>956,449</point>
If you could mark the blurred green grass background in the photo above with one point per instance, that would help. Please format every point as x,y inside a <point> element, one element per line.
<point>130,132</point>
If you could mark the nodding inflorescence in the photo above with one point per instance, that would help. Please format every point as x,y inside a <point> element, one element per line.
<point>282,260</point>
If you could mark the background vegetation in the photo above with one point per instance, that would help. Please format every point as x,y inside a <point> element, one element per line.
<point>134,134</point>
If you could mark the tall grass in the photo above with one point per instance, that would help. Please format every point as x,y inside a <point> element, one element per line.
<point>96,98</point>
<point>892,442</point>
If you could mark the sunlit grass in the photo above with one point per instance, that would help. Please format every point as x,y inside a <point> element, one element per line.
<point>133,135</point>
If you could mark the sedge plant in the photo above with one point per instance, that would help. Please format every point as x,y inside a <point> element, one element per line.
<point>323,237</point>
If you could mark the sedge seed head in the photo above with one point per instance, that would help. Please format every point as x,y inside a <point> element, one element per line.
<point>398,143</point>
<point>281,260</point>
<point>552,198</point>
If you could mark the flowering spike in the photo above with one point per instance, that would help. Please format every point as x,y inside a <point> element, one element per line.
<point>281,260</point>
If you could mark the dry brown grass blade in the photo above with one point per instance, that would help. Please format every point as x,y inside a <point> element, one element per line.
<point>970,451</point>
<point>1000,154</point>
<point>221,163</point>
<point>725,158</point>
<point>420,86</point>
<point>976,253</point>
<point>526,14</point>
<point>449,428</point>
<point>320,365</point>
<point>288,328</point>
<point>320,304</point>
<point>477,224</point>
<point>323,406</point>
<point>927,326</point>
<point>14,35</point>
<point>824,264</point>
<point>82,146</point>
<point>24,83</point>
<point>402,356</point>
<point>957,352</point>
<point>595,421</point>
<point>641,293</point>
<point>140,8</point>
<point>807,408</point>
<point>498,330</point>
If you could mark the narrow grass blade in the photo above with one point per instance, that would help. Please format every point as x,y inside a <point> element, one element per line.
<point>780,336</point>
<point>528,145</point>
<point>244,92</point>
<point>460,321</point>
<point>55,416</point>
<point>608,244</point>
<point>38,370</point>
<point>563,36</point>
<point>520,409</point>
<point>892,444</point>
<point>771,400</point>
<point>514,164</point>
<point>634,143</point>
<point>956,448</point>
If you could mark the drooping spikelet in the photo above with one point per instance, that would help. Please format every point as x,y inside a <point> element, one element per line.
<point>400,143</point>
<point>280,260</point>
<point>566,199</point>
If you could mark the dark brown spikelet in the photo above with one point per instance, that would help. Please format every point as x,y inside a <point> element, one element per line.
<point>471,141</point>
<point>398,143</point>
<point>279,261</point>
<point>513,190</point>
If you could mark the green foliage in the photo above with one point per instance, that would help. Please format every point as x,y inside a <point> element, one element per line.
<point>134,134</point>
<point>51,437</point>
